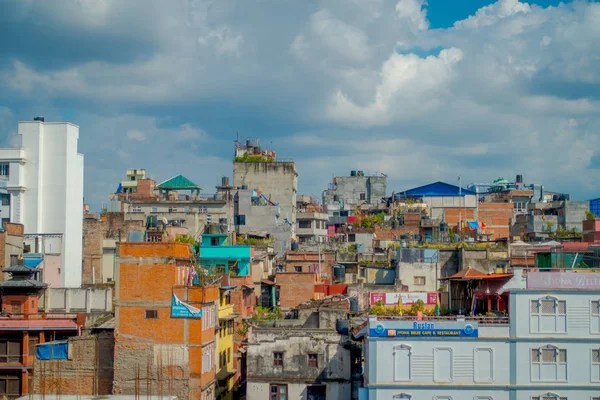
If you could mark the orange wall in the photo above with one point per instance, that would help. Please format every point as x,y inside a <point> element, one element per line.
<point>147,249</point>
<point>295,288</point>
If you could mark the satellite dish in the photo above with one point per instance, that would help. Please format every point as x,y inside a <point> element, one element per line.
<point>165,221</point>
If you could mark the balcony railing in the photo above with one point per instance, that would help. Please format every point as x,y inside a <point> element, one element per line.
<point>480,319</point>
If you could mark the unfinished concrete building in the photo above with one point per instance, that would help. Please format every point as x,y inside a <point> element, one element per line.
<point>347,192</point>
<point>259,170</point>
<point>301,358</point>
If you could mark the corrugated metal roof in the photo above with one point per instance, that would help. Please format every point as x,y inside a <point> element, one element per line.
<point>436,189</point>
<point>179,182</point>
<point>18,324</point>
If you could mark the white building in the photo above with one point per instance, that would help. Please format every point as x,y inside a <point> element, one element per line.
<point>548,349</point>
<point>44,178</point>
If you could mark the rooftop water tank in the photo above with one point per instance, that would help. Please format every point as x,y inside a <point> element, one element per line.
<point>339,273</point>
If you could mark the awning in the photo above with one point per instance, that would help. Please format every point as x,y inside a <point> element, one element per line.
<point>471,274</point>
<point>38,325</point>
<point>247,287</point>
<point>491,287</point>
<point>473,225</point>
<point>225,374</point>
<point>267,282</point>
<point>227,287</point>
<point>227,318</point>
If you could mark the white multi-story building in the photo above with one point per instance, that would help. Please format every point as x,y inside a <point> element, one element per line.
<point>548,349</point>
<point>44,178</point>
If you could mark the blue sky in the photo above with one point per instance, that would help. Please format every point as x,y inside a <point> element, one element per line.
<point>422,91</point>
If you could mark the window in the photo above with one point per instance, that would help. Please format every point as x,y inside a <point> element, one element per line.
<point>419,280</point>
<point>222,359</point>
<point>279,392</point>
<point>230,327</point>
<point>208,354</point>
<point>4,169</point>
<point>33,342</point>
<point>548,396</point>
<point>595,365</point>
<point>313,361</point>
<point>15,307</point>
<point>595,316</point>
<point>363,196</point>
<point>315,393</point>
<point>10,385</point>
<point>6,199</point>
<point>483,365</point>
<point>402,364</point>
<point>278,359</point>
<point>548,363</point>
<point>10,350</point>
<point>208,316</point>
<point>136,209</point>
<point>151,314</point>
<point>304,224</point>
<point>172,209</point>
<point>221,328</point>
<point>214,241</point>
<point>229,355</point>
<point>443,365</point>
<point>298,268</point>
<point>548,314</point>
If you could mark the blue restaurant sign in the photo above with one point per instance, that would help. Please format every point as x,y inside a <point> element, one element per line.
<point>179,309</point>
<point>393,328</point>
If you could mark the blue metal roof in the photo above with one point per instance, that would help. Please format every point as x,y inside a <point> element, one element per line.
<point>436,189</point>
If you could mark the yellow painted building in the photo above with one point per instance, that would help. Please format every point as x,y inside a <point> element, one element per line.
<point>224,359</point>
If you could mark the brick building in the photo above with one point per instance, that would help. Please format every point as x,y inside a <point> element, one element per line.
<point>154,351</point>
<point>22,327</point>
<point>87,371</point>
<point>11,245</point>
<point>295,287</point>
<point>100,236</point>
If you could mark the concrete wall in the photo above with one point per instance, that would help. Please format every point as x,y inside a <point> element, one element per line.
<point>333,370</point>
<point>349,190</point>
<point>263,219</point>
<point>298,391</point>
<point>430,271</point>
<point>53,200</point>
<point>75,299</point>
<point>88,371</point>
<point>276,180</point>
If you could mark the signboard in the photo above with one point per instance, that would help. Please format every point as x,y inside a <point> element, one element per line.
<point>563,280</point>
<point>423,329</point>
<point>390,299</point>
<point>179,309</point>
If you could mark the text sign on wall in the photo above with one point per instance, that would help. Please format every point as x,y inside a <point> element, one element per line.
<point>407,298</point>
<point>424,329</point>
<point>179,309</point>
<point>563,280</point>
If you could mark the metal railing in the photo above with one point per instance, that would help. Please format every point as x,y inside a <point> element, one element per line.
<point>480,319</point>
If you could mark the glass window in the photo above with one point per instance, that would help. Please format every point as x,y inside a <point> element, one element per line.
<point>548,364</point>
<point>298,268</point>
<point>10,350</point>
<point>596,365</point>
<point>278,359</point>
<point>548,315</point>
<point>279,392</point>
<point>419,280</point>
<point>151,314</point>
<point>4,169</point>
<point>313,361</point>
<point>595,316</point>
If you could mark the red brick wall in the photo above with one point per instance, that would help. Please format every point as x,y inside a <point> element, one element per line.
<point>145,188</point>
<point>497,218</point>
<point>295,288</point>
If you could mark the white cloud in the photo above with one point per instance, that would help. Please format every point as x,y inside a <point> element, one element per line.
<point>489,15</point>
<point>136,135</point>
<point>414,11</point>
<point>509,89</point>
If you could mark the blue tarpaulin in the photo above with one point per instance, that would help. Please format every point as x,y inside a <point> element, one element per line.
<point>473,225</point>
<point>32,262</point>
<point>52,351</point>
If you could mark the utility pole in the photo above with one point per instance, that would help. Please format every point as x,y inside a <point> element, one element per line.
<point>459,206</point>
